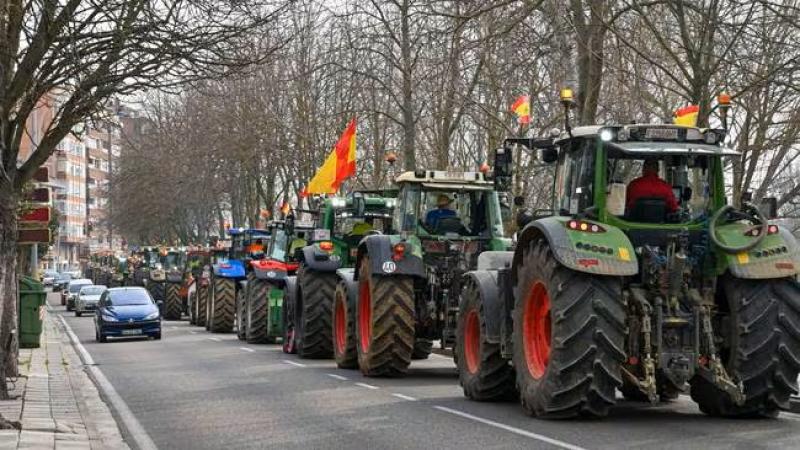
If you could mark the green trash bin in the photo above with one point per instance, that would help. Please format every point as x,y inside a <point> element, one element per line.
<point>32,297</point>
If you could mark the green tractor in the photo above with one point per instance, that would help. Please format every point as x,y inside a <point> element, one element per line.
<point>327,262</point>
<point>120,273</point>
<point>196,260</point>
<point>156,280</point>
<point>405,291</point>
<point>618,288</point>
<point>174,264</point>
<point>260,306</point>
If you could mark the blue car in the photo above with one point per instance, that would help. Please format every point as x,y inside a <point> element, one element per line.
<point>127,312</point>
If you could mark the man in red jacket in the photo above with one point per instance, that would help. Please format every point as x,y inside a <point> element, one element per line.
<point>649,185</point>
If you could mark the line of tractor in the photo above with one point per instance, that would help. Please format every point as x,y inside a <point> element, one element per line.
<point>601,292</point>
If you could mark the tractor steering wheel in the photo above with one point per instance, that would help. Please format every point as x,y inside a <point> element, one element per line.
<point>748,212</point>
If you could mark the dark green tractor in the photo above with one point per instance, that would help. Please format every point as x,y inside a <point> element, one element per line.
<point>319,304</point>
<point>620,288</point>
<point>406,286</point>
<point>174,264</point>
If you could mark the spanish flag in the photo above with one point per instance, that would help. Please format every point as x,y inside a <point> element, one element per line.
<point>285,208</point>
<point>522,108</point>
<point>686,116</point>
<point>338,166</point>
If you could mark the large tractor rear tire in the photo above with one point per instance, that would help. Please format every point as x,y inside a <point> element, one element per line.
<point>483,372</point>
<point>569,334</point>
<point>221,308</point>
<point>761,348</point>
<point>343,330</point>
<point>241,314</point>
<point>258,311</point>
<point>316,291</point>
<point>202,301</point>
<point>172,302</point>
<point>422,348</point>
<point>384,323</point>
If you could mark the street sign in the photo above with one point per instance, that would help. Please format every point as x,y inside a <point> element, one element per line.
<point>33,236</point>
<point>37,215</point>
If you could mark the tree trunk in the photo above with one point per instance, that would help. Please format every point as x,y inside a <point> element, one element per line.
<point>8,286</point>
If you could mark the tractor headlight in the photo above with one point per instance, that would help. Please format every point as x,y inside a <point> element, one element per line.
<point>391,202</point>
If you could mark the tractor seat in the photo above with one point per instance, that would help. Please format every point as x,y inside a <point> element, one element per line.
<point>648,210</point>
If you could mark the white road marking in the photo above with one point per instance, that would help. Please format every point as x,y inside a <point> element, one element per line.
<point>368,386</point>
<point>173,328</point>
<point>338,377</point>
<point>247,349</point>
<point>193,332</point>
<point>404,397</point>
<point>215,339</point>
<point>294,363</point>
<point>136,430</point>
<point>519,431</point>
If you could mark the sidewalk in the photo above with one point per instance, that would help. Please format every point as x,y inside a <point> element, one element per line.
<point>58,405</point>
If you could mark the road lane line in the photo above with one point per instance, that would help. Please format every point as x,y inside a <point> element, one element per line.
<point>294,363</point>
<point>214,339</point>
<point>129,421</point>
<point>193,332</point>
<point>338,377</point>
<point>404,397</point>
<point>519,431</point>
<point>368,386</point>
<point>247,349</point>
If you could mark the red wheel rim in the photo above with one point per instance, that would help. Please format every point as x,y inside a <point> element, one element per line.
<point>289,344</point>
<point>472,341</point>
<point>339,326</point>
<point>536,330</point>
<point>364,315</point>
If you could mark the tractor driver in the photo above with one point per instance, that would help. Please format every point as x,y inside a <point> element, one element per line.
<point>443,202</point>
<point>650,185</point>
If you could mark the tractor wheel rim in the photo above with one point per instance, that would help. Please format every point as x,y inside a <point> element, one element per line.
<point>472,342</point>
<point>364,315</point>
<point>289,344</point>
<point>339,326</point>
<point>536,330</point>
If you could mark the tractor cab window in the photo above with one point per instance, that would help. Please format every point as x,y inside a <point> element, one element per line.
<point>405,214</point>
<point>658,188</point>
<point>461,212</point>
<point>575,176</point>
<point>280,242</point>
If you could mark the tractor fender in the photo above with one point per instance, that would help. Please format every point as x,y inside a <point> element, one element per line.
<point>492,303</point>
<point>379,249</point>
<point>229,269</point>
<point>777,256</point>
<point>316,259</point>
<point>620,260</point>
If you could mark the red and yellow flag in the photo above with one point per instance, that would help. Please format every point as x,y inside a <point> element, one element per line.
<point>285,207</point>
<point>522,108</point>
<point>338,166</point>
<point>686,116</point>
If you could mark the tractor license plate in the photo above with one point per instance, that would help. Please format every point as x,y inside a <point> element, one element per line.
<point>661,133</point>
<point>133,332</point>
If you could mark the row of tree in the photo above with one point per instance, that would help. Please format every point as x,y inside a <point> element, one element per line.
<point>432,81</point>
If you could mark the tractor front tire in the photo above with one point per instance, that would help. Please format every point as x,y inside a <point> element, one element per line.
<point>316,291</point>
<point>223,303</point>
<point>483,372</point>
<point>156,289</point>
<point>241,314</point>
<point>343,330</point>
<point>172,302</point>
<point>569,335</point>
<point>422,348</point>
<point>384,323</point>
<point>761,348</point>
<point>257,311</point>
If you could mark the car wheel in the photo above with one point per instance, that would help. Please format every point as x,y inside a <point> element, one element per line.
<point>157,336</point>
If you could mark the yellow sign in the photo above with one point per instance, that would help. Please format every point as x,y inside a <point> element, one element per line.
<point>743,257</point>
<point>623,254</point>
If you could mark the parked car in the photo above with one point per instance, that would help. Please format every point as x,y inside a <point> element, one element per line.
<point>126,312</point>
<point>87,298</point>
<point>48,277</point>
<point>60,282</point>
<point>69,294</point>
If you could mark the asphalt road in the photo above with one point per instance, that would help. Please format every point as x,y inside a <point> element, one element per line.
<point>196,390</point>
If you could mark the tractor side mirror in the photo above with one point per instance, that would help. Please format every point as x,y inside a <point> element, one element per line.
<point>769,207</point>
<point>549,155</point>
<point>519,200</point>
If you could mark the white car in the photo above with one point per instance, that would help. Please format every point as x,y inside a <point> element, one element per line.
<point>49,277</point>
<point>87,298</point>
<point>72,290</point>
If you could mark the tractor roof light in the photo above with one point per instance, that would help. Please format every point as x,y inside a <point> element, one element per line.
<point>567,96</point>
<point>606,135</point>
<point>326,246</point>
<point>710,137</point>
<point>724,100</point>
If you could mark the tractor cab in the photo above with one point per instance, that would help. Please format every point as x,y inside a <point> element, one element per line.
<point>450,213</point>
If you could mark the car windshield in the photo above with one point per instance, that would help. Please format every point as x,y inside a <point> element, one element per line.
<point>76,287</point>
<point>64,276</point>
<point>129,297</point>
<point>93,290</point>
